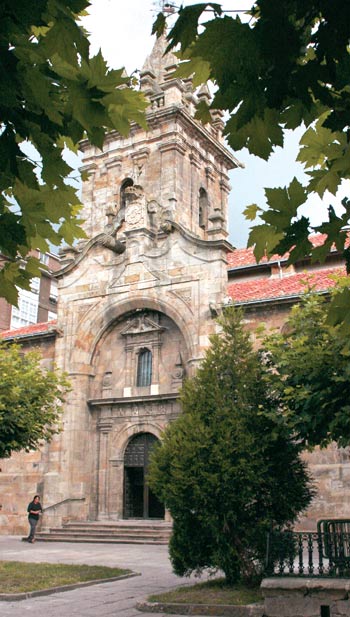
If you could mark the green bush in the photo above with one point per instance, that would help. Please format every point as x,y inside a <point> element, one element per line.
<point>227,468</point>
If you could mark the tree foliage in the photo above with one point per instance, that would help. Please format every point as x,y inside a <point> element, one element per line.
<point>52,94</point>
<point>221,466</point>
<point>288,67</point>
<point>311,370</point>
<point>30,400</point>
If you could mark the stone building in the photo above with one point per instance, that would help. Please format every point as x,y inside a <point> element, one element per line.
<point>136,300</point>
<point>37,305</point>
<point>137,304</point>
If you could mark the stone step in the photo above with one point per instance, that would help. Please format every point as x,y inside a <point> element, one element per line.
<point>116,525</point>
<point>48,537</point>
<point>142,532</point>
<point>128,533</point>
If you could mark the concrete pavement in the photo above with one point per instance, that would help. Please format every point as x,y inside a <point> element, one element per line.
<point>103,600</point>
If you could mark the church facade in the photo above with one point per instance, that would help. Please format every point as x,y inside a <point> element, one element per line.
<point>137,304</point>
<point>136,298</point>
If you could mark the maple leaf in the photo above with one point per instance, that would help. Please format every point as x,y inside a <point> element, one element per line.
<point>323,180</point>
<point>185,29</point>
<point>264,238</point>
<point>251,212</point>
<point>295,241</point>
<point>195,67</point>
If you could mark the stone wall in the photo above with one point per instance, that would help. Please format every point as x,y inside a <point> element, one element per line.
<point>21,475</point>
<point>297,597</point>
<point>20,480</point>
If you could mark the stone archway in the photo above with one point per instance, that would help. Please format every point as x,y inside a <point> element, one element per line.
<point>139,499</point>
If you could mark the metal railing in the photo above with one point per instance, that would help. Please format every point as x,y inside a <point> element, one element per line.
<point>309,554</point>
<point>60,503</point>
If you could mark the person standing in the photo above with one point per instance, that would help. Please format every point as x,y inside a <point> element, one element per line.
<point>34,510</point>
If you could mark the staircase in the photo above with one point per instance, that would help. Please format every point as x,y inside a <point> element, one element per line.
<point>126,532</point>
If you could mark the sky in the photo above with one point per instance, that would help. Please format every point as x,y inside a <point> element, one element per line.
<point>123,32</point>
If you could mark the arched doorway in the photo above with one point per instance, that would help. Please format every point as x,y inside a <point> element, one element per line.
<point>139,499</point>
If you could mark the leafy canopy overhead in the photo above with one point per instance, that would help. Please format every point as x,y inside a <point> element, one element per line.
<point>52,95</point>
<point>288,66</point>
<point>30,400</point>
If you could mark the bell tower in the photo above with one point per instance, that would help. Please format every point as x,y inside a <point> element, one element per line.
<point>175,173</point>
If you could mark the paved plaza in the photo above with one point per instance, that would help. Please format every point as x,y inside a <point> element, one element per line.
<point>102,600</point>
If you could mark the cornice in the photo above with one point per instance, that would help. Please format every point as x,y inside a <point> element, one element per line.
<point>276,300</point>
<point>213,244</point>
<point>129,400</point>
<point>32,336</point>
<point>181,113</point>
<point>74,262</point>
<point>164,114</point>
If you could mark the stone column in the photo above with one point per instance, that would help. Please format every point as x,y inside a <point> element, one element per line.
<point>156,345</point>
<point>116,489</point>
<point>129,373</point>
<point>104,428</point>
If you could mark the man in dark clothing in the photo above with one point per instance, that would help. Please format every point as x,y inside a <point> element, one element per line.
<point>34,510</point>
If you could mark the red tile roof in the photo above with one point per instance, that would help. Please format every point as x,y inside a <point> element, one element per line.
<point>240,258</point>
<point>33,330</point>
<point>275,288</point>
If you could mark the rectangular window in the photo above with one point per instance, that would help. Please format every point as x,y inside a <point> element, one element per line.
<point>27,311</point>
<point>144,368</point>
<point>53,291</point>
<point>35,284</point>
<point>44,258</point>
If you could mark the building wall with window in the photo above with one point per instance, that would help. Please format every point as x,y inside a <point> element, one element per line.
<point>37,305</point>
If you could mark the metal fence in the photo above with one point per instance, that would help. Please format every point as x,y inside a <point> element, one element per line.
<point>308,554</point>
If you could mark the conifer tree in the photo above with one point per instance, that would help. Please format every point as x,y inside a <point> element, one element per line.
<point>227,469</point>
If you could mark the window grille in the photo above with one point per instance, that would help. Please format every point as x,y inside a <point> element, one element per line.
<point>144,368</point>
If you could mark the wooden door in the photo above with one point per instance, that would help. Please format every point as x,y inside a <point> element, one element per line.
<point>139,500</point>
